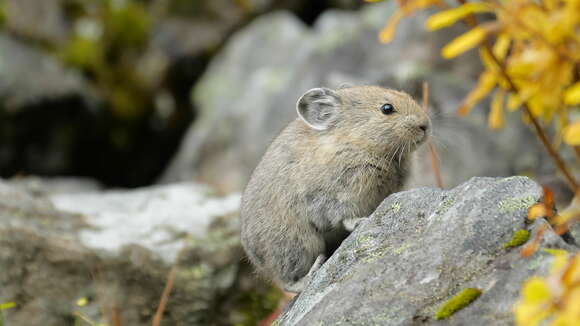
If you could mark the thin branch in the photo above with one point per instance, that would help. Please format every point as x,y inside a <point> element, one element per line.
<point>168,287</point>
<point>432,151</point>
<point>165,296</point>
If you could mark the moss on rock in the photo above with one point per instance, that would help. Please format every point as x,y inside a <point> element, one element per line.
<point>458,302</point>
<point>518,238</point>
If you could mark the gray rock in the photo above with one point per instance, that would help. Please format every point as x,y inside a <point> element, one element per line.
<point>423,246</point>
<point>29,75</point>
<point>54,185</point>
<point>249,91</point>
<point>155,217</point>
<point>38,20</point>
<point>116,248</point>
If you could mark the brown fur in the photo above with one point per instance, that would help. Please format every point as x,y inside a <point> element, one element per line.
<point>310,181</point>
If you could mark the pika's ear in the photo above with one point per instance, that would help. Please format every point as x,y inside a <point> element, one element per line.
<point>318,107</point>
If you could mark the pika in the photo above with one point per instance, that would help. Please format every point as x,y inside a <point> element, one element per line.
<point>323,174</point>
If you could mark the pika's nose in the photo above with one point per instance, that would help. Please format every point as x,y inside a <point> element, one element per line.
<point>424,127</point>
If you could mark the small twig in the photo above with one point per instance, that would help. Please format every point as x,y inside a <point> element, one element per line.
<point>116,316</point>
<point>471,21</point>
<point>165,296</point>
<point>167,289</point>
<point>432,150</point>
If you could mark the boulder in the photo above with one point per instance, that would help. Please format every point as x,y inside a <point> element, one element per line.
<point>29,75</point>
<point>423,246</point>
<point>105,256</point>
<point>38,20</point>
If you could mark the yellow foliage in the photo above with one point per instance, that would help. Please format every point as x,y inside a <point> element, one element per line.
<point>531,52</point>
<point>407,7</point>
<point>553,299</point>
<point>537,211</point>
<point>572,134</point>
<point>496,118</point>
<point>81,302</point>
<point>487,82</point>
<point>464,42</point>
<point>449,17</point>
<point>388,32</point>
<point>572,95</point>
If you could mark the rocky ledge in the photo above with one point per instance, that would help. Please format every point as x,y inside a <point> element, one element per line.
<point>422,247</point>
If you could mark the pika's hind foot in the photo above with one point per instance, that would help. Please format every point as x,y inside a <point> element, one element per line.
<point>298,286</point>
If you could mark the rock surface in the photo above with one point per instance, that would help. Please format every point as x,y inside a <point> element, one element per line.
<point>28,76</point>
<point>115,249</point>
<point>248,94</point>
<point>423,246</point>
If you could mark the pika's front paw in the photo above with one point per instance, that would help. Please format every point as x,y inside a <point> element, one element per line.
<point>352,223</point>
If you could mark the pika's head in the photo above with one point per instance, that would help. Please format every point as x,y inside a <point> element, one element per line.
<point>376,118</point>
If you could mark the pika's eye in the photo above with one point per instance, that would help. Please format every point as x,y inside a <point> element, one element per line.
<point>387,108</point>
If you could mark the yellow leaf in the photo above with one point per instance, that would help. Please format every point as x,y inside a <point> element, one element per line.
<point>7,305</point>
<point>464,42</point>
<point>82,302</point>
<point>410,6</point>
<point>514,102</point>
<point>560,261</point>
<point>572,95</point>
<point>487,60</point>
<point>535,291</point>
<point>556,252</point>
<point>449,17</point>
<point>501,46</point>
<point>496,119</point>
<point>572,134</point>
<point>537,211</point>
<point>560,321</point>
<point>529,314</point>
<point>388,32</point>
<point>487,81</point>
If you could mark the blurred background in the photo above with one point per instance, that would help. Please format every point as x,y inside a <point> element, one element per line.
<point>182,97</point>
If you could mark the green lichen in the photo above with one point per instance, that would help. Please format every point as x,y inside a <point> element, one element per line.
<point>366,249</point>
<point>445,205</point>
<point>518,238</point>
<point>515,204</point>
<point>458,302</point>
<point>402,248</point>
<point>396,207</point>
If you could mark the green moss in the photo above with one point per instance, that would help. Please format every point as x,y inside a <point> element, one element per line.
<point>514,204</point>
<point>127,24</point>
<point>82,52</point>
<point>458,302</point>
<point>518,238</point>
<point>254,305</point>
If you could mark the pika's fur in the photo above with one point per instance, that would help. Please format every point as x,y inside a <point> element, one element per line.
<point>347,151</point>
